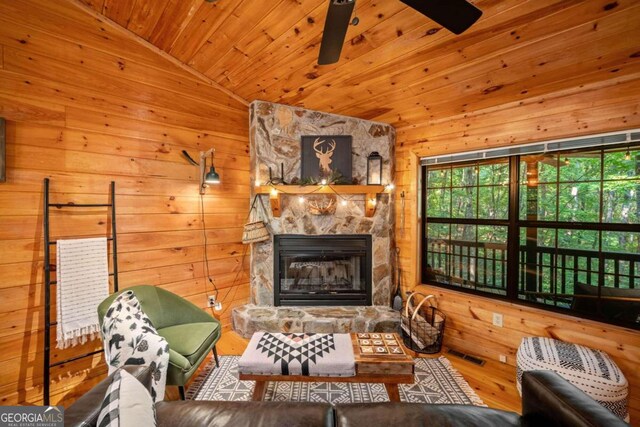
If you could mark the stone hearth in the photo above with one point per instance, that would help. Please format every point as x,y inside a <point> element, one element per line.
<point>251,318</point>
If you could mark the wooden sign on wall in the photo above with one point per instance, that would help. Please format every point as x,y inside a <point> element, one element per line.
<point>3,142</point>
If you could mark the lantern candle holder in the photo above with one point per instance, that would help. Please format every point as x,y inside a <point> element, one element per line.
<point>374,169</point>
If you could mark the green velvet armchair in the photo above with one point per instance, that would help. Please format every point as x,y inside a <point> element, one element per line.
<point>190,331</point>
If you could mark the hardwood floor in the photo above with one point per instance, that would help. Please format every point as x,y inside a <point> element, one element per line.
<point>494,382</point>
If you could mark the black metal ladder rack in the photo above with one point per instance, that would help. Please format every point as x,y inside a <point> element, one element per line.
<point>48,243</point>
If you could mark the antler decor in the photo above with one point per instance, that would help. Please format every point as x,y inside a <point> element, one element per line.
<point>322,205</point>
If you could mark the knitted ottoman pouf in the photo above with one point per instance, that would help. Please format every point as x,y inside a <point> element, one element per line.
<point>592,371</point>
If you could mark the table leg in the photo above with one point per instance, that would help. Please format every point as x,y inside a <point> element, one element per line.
<point>258,391</point>
<point>393,392</point>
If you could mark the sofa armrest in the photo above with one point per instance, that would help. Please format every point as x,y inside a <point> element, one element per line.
<point>84,411</point>
<point>550,400</point>
<point>263,414</point>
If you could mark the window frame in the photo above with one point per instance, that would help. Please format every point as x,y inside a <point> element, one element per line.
<point>514,224</point>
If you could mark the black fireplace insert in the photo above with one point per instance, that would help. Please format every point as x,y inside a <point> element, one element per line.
<point>322,270</point>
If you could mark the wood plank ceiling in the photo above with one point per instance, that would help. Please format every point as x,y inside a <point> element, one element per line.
<point>397,66</point>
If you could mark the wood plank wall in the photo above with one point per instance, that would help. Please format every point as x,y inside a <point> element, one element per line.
<point>86,104</point>
<point>566,108</point>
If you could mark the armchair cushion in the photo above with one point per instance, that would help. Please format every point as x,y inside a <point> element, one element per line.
<point>178,361</point>
<point>191,340</point>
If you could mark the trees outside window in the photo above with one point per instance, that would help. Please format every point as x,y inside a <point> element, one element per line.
<point>558,230</point>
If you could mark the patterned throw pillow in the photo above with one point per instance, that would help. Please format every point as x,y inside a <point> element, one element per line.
<point>130,338</point>
<point>127,403</point>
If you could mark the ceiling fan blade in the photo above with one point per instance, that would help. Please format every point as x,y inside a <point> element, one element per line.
<point>335,30</point>
<point>454,15</point>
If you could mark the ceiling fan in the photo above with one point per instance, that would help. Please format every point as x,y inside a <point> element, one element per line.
<point>454,15</point>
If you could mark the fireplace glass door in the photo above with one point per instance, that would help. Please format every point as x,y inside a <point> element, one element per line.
<point>323,270</point>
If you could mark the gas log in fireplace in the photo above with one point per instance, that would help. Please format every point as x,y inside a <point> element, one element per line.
<point>322,270</point>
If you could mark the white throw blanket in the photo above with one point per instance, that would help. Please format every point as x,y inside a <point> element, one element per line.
<point>83,283</point>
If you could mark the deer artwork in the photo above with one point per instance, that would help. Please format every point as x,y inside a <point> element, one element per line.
<point>324,156</point>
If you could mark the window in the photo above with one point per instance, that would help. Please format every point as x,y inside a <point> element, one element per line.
<point>559,230</point>
<point>466,231</point>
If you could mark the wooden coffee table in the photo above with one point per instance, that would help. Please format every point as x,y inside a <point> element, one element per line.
<point>379,357</point>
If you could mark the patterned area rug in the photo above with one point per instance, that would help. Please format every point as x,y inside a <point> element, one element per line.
<point>436,382</point>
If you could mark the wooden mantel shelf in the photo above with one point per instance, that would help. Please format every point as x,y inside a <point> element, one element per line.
<point>321,189</point>
<point>275,191</point>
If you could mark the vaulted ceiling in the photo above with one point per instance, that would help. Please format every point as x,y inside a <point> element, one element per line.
<point>397,65</point>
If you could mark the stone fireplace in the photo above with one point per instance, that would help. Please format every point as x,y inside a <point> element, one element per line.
<point>342,291</point>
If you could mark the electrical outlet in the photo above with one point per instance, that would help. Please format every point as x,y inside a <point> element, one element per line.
<point>211,301</point>
<point>503,358</point>
<point>497,320</point>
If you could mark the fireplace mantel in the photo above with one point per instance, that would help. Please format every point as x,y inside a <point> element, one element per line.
<point>275,192</point>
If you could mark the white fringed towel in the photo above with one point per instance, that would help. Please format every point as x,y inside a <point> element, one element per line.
<point>83,283</point>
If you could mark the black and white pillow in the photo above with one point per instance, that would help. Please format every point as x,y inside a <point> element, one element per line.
<point>127,403</point>
<point>130,338</point>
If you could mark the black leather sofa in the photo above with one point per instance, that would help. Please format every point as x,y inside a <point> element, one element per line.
<point>547,400</point>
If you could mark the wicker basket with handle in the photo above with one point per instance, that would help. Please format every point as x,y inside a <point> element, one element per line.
<point>422,327</point>
<point>256,230</point>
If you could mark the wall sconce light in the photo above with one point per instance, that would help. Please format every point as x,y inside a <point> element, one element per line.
<point>374,169</point>
<point>627,155</point>
<point>211,177</point>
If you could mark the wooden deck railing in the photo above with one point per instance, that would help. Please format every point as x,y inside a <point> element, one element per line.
<point>467,263</point>
<point>555,272</point>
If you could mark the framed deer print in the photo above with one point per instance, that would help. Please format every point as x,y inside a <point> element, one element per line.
<point>326,157</point>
